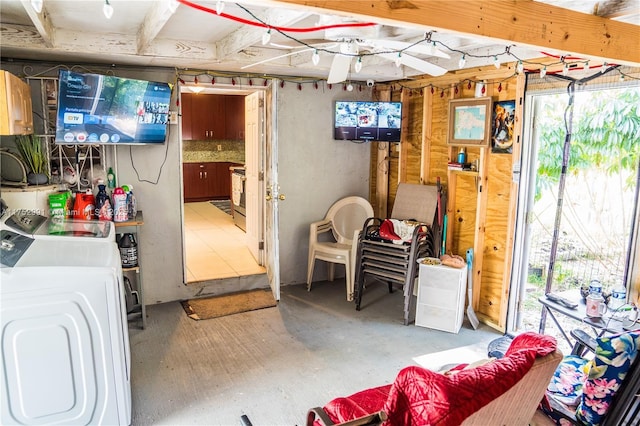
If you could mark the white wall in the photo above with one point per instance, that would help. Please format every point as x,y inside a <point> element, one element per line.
<point>314,172</point>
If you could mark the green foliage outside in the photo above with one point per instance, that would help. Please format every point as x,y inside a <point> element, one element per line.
<point>606,135</point>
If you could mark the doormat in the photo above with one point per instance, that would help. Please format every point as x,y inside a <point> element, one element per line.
<point>224,205</point>
<point>228,304</point>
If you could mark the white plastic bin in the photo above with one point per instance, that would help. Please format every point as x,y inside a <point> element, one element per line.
<point>441,296</point>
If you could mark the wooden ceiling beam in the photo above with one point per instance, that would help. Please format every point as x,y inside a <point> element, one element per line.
<point>247,36</point>
<point>523,22</point>
<point>154,21</point>
<point>41,22</point>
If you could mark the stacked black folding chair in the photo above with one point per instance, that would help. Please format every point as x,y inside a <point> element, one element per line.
<point>396,264</point>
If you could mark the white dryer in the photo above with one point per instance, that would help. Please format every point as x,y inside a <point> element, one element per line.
<point>29,223</point>
<point>64,344</point>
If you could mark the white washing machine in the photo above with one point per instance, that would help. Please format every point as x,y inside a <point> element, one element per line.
<point>64,344</point>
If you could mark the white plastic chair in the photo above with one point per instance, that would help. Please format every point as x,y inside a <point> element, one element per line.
<point>344,220</point>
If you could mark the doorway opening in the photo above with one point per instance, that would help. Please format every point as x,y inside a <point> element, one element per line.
<point>216,243</point>
<point>598,204</point>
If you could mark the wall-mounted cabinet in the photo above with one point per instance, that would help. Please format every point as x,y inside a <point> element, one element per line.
<point>212,117</point>
<point>206,181</point>
<point>16,116</point>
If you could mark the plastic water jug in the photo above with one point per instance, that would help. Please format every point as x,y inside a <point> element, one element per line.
<point>128,251</point>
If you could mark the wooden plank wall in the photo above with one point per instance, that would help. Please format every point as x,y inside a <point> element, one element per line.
<point>491,290</point>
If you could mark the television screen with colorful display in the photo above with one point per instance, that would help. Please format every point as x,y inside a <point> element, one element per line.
<point>104,109</point>
<point>367,121</point>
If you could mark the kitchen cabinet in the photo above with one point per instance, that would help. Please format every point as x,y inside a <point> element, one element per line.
<point>206,181</point>
<point>234,113</point>
<point>212,117</point>
<point>187,116</point>
<point>16,115</point>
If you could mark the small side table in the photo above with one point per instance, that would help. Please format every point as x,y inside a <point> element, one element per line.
<point>133,227</point>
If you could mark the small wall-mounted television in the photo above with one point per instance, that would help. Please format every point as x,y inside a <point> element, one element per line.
<point>104,109</point>
<point>367,121</point>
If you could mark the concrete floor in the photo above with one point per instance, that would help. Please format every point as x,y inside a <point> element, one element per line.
<point>273,364</point>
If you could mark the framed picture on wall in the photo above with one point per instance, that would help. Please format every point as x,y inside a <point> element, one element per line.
<point>502,119</point>
<point>469,122</point>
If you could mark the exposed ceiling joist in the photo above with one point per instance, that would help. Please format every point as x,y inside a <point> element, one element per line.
<point>525,23</point>
<point>249,35</point>
<point>41,22</point>
<point>19,36</point>
<point>154,21</point>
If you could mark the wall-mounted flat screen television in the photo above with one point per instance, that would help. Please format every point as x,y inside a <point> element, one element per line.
<point>104,109</point>
<point>367,121</point>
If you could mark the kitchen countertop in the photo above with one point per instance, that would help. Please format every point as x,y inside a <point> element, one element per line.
<point>212,157</point>
<point>212,152</point>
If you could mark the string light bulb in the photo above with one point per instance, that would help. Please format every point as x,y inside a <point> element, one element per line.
<point>37,5</point>
<point>462,61</point>
<point>266,37</point>
<point>219,7</point>
<point>315,58</point>
<point>520,67</point>
<point>358,66</point>
<point>604,67</point>
<point>107,9</point>
<point>399,60</point>
<point>349,87</point>
<point>496,62</point>
<point>565,69</point>
<point>543,72</point>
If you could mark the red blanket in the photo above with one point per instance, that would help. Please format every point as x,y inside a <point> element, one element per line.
<point>422,397</point>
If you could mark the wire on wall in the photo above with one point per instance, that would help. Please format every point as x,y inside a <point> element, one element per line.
<point>166,154</point>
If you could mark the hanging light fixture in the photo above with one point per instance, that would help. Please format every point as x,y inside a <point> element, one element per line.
<point>462,61</point>
<point>107,9</point>
<point>496,62</point>
<point>358,66</point>
<point>37,5</point>
<point>315,58</point>
<point>520,67</point>
<point>266,37</point>
<point>604,67</point>
<point>543,72</point>
<point>219,7</point>
<point>565,69</point>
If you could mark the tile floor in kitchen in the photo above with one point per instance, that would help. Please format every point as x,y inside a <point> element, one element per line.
<point>215,246</point>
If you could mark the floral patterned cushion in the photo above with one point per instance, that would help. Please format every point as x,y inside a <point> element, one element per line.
<point>614,355</point>
<point>568,380</point>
